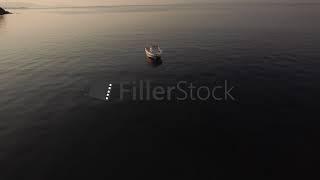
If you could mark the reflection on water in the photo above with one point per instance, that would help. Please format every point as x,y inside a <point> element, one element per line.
<point>154,62</point>
<point>2,21</point>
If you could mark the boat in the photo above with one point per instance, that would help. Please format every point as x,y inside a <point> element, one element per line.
<point>153,52</point>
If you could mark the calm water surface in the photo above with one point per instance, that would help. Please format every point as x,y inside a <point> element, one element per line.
<point>50,57</point>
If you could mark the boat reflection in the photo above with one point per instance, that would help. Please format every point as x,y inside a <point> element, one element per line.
<point>155,62</point>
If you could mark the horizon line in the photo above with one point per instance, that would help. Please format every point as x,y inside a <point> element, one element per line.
<point>36,6</point>
<point>142,5</point>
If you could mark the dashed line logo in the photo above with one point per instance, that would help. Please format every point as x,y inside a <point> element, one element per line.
<point>108,92</point>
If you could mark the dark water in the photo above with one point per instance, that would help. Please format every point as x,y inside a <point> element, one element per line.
<point>50,58</point>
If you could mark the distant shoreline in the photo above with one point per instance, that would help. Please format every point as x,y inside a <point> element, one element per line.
<point>3,11</point>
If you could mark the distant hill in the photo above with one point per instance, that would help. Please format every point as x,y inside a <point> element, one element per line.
<point>2,11</point>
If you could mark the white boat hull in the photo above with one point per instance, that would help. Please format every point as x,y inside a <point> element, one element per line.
<point>153,55</point>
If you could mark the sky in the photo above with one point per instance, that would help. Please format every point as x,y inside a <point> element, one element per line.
<point>28,3</point>
<point>92,2</point>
